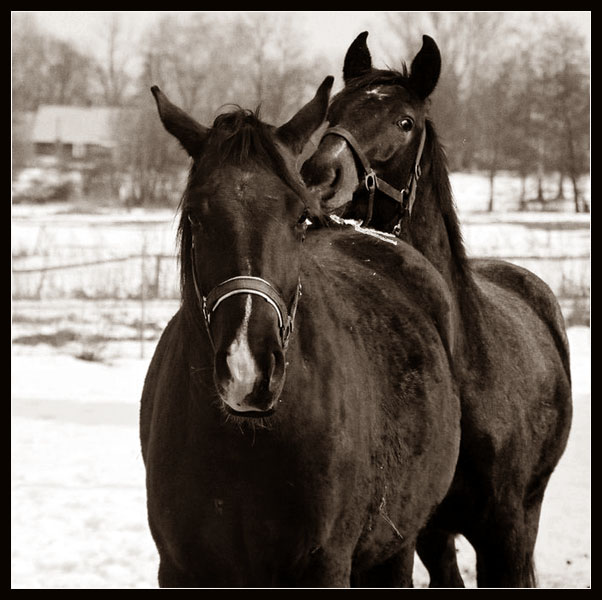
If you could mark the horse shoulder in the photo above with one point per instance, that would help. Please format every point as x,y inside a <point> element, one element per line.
<point>163,352</point>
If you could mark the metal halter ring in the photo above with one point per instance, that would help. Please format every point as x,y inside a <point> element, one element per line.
<point>370,181</point>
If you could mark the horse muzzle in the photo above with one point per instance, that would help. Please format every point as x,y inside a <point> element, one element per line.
<point>331,174</point>
<point>250,382</point>
<point>249,386</point>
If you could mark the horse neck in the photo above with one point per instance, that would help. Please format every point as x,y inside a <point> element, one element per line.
<point>433,229</point>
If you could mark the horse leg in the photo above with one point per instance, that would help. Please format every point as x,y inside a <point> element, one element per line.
<point>394,572</point>
<point>172,577</point>
<point>504,547</point>
<point>505,563</point>
<point>505,542</point>
<point>437,551</point>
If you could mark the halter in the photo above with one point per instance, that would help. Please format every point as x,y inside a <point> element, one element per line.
<point>373,182</point>
<point>246,284</point>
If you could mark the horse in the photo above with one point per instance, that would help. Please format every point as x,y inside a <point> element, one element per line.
<point>299,421</point>
<point>381,162</point>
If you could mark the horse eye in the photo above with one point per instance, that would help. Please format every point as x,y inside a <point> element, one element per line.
<point>405,124</point>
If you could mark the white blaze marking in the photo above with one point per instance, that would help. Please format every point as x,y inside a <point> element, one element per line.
<point>241,363</point>
<point>378,92</point>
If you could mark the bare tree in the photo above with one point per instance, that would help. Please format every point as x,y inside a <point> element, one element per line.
<point>467,41</point>
<point>496,124</point>
<point>46,70</point>
<point>271,67</point>
<point>112,71</point>
<point>564,68</point>
<point>203,63</point>
<point>182,55</point>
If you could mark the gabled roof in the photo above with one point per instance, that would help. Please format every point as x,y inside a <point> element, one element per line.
<point>75,125</point>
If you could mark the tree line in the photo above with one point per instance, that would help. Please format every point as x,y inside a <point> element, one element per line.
<point>514,95</point>
<point>509,98</point>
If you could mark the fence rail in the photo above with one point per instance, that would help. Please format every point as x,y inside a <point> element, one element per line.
<point>78,265</point>
<point>131,282</point>
<point>145,274</point>
<point>117,259</point>
<point>144,283</point>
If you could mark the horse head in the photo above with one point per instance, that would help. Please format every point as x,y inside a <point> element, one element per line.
<point>377,134</point>
<point>243,219</point>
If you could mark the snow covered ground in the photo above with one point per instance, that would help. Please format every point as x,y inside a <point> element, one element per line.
<point>78,495</point>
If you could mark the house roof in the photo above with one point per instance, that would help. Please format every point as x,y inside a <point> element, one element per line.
<point>75,125</point>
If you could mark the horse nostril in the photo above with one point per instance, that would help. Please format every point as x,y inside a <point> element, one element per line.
<point>274,371</point>
<point>321,173</point>
<point>336,178</point>
<point>222,371</point>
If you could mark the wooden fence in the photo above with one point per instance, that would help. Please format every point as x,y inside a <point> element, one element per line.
<point>148,278</point>
<point>156,276</point>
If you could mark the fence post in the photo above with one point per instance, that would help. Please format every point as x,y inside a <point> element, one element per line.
<point>155,292</point>
<point>142,294</point>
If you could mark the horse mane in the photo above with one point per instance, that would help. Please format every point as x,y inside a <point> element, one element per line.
<point>469,296</point>
<point>240,138</point>
<point>439,175</point>
<point>378,77</point>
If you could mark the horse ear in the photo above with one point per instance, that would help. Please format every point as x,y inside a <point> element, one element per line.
<point>184,128</point>
<point>425,69</point>
<point>357,60</point>
<point>297,132</point>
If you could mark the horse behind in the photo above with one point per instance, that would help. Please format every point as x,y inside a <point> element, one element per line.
<point>381,161</point>
<point>299,420</point>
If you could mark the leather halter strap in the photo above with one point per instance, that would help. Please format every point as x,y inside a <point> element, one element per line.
<point>373,182</point>
<point>246,284</point>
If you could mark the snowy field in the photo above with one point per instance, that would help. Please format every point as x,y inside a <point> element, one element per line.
<point>81,344</point>
<point>78,496</point>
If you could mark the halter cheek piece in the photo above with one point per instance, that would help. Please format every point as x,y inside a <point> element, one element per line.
<point>372,182</point>
<point>246,284</point>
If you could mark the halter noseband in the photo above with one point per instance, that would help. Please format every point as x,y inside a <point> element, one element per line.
<point>246,284</point>
<point>373,182</point>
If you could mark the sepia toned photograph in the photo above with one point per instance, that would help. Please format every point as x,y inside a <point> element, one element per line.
<point>300,299</point>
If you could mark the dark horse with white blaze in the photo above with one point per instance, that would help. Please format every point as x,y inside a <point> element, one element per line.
<point>381,161</point>
<point>299,420</point>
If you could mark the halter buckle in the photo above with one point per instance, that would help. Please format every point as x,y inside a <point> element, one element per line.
<point>370,181</point>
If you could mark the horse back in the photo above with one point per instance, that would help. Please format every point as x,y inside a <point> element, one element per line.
<point>519,405</point>
<point>392,269</point>
<point>532,290</point>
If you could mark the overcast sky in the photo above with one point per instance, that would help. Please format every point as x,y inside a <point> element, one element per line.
<point>325,31</point>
